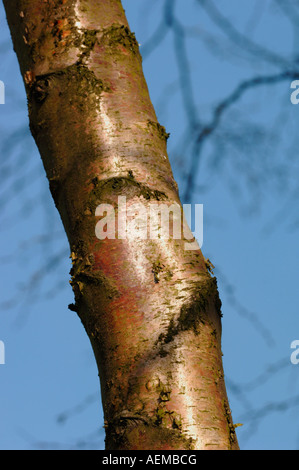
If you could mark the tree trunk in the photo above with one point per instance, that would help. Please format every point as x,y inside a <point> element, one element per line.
<point>149,306</point>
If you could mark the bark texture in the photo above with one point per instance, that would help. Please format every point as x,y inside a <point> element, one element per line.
<point>150,308</point>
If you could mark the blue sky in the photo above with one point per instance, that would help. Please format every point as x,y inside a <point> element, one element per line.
<point>247,180</point>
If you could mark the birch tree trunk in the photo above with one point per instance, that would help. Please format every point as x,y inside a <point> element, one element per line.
<point>149,306</point>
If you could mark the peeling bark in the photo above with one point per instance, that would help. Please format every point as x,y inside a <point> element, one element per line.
<point>150,308</point>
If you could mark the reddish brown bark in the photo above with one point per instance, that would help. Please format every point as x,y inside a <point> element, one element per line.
<point>150,308</point>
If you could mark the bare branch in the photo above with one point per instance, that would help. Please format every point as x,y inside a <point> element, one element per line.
<point>252,317</point>
<point>220,109</point>
<point>241,40</point>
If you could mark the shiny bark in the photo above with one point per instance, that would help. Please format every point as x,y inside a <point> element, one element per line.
<point>149,306</point>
